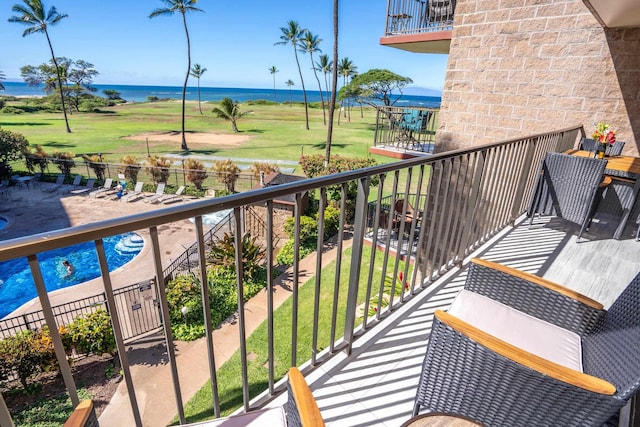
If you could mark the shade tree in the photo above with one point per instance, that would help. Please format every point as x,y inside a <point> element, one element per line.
<point>379,85</point>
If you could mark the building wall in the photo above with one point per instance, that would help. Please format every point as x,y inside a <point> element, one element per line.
<point>520,67</point>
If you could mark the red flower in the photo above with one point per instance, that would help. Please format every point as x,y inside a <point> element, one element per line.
<point>611,137</point>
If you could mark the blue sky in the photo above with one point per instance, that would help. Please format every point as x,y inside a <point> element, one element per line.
<point>233,40</point>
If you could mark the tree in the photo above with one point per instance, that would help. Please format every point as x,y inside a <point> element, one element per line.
<point>346,69</point>
<point>182,6</point>
<point>289,83</point>
<point>290,35</point>
<point>309,44</point>
<point>64,161</point>
<point>81,74</point>
<point>324,65</point>
<point>379,84</point>
<point>197,71</point>
<point>34,16</point>
<point>273,70</point>
<point>334,83</point>
<point>196,172</point>
<point>229,110</point>
<point>12,147</point>
<point>159,168</point>
<point>227,173</point>
<point>112,94</point>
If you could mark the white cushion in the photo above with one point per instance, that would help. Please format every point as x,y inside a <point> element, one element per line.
<point>264,417</point>
<point>519,329</point>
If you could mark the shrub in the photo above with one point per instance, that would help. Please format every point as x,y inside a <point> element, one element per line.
<point>19,355</point>
<point>331,221</point>
<point>64,161</point>
<point>11,110</point>
<point>196,172</point>
<point>37,159</point>
<point>223,253</point>
<point>184,291</point>
<point>263,167</point>
<point>152,98</point>
<point>95,163</point>
<point>12,145</point>
<point>227,173</point>
<point>159,169</point>
<point>286,254</point>
<point>92,333</point>
<point>308,229</point>
<point>131,168</point>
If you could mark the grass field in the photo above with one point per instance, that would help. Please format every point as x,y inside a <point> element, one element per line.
<point>277,131</point>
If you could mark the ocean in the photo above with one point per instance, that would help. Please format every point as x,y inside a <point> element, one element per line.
<point>140,94</point>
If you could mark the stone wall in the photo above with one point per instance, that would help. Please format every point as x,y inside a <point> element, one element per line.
<point>520,67</point>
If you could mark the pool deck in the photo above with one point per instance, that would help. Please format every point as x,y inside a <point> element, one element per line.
<point>33,210</point>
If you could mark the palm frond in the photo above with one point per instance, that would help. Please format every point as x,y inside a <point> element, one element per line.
<point>160,12</point>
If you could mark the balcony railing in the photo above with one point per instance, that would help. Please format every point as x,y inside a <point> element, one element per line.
<point>406,129</point>
<point>406,17</point>
<point>466,196</point>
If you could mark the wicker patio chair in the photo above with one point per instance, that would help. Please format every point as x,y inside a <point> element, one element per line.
<point>470,372</point>
<point>614,149</point>
<point>587,144</point>
<point>568,187</point>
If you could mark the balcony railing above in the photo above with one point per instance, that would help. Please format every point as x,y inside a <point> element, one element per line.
<point>419,25</point>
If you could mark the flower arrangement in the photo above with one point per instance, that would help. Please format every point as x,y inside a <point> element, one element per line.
<point>604,134</point>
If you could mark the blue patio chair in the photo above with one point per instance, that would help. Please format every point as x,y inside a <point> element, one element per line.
<point>499,374</point>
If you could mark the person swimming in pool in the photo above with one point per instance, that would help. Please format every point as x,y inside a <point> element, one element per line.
<point>69,267</point>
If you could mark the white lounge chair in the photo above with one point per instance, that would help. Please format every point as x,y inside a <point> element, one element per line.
<point>67,188</point>
<point>102,191</point>
<point>171,198</point>
<point>86,189</point>
<point>135,194</point>
<point>57,185</point>
<point>158,194</point>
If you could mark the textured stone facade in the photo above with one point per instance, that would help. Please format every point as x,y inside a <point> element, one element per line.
<point>520,67</point>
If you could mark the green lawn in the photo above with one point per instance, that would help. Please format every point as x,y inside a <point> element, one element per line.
<point>200,407</point>
<point>277,131</point>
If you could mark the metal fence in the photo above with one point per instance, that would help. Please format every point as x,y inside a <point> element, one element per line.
<point>466,197</point>
<point>419,16</point>
<point>406,128</point>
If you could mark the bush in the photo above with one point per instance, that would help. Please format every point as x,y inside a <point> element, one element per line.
<point>19,355</point>
<point>131,168</point>
<point>285,256</point>
<point>196,172</point>
<point>227,173</point>
<point>223,253</point>
<point>92,333</point>
<point>152,98</point>
<point>11,110</point>
<point>65,162</point>
<point>159,169</point>
<point>331,221</point>
<point>308,229</point>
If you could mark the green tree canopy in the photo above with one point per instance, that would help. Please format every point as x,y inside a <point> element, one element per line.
<point>12,145</point>
<point>229,110</point>
<point>378,84</point>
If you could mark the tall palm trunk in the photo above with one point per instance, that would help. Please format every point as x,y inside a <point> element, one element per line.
<point>304,92</point>
<point>55,64</point>
<point>186,80</point>
<point>315,73</point>
<point>334,78</point>
<point>199,101</point>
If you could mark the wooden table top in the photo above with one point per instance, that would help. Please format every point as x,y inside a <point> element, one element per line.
<point>440,420</point>
<point>626,164</point>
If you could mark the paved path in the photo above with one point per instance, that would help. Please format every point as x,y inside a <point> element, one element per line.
<point>152,375</point>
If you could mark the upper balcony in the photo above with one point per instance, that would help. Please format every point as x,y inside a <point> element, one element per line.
<point>423,26</point>
<point>359,342</point>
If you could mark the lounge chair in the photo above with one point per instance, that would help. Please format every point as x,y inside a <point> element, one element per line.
<point>135,194</point>
<point>158,194</point>
<point>56,186</point>
<point>560,359</point>
<point>67,188</point>
<point>171,198</point>
<point>102,190</point>
<point>86,189</point>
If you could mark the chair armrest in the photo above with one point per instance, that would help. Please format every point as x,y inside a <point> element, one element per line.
<point>82,415</point>
<point>535,296</point>
<point>301,408</point>
<point>529,360</point>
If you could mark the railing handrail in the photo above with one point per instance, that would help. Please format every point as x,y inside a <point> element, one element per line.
<point>30,245</point>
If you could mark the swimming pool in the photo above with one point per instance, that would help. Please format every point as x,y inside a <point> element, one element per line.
<point>214,218</point>
<point>16,283</point>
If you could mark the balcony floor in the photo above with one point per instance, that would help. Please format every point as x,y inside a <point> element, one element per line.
<point>376,384</point>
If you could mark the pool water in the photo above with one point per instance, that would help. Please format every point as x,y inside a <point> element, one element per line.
<point>3,222</point>
<point>16,283</point>
<point>214,218</point>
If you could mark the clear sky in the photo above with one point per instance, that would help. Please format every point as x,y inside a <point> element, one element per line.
<point>234,40</point>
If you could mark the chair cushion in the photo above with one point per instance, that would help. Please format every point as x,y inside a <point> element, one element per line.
<point>264,417</point>
<point>519,329</point>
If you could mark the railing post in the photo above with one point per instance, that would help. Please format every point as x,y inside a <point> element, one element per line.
<point>474,199</point>
<point>522,181</point>
<point>356,261</point>
<point>5,415</point>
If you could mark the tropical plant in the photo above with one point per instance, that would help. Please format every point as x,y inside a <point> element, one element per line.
<point>112,94</point>
<point>196,172</point>
<point>182,6</point>
<point>273,70</point>
<point>95,162</point>
<point>197,71</point>
<point>229,110</point>
<point>290,83</point>
<point>33,14</point>
<point>159,169</point>
<point>92,333</point>
<point>309,44</point>
<point>130,168</point>
<point>223,253</point>
<point>12,147</point>
<point>35,159</point>
<point>334,84</point>
<point>378,85</point>
<point>324,65</point>
<point>291,34</point>
<point>64,161</point>
<point>258,168</point>
<point>346,69</point>
<point>227,173</point>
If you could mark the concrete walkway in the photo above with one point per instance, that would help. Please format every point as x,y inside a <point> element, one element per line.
<point>151,372</point>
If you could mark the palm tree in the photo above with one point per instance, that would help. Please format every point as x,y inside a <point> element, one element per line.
<point>33,15</point>
<point>334,82</point>
<point>309,44</point>
<point>182,6</point>
<point>346,69</point>
<point>1,79</point>
<point>325,65</point>
<point>229,110</point>
<point>289,83</point>
<point>197,71</point>
<point>290,35</point>
<point>273,70</point>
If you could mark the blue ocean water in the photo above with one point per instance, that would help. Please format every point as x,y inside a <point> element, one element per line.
<point>140,94</point>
